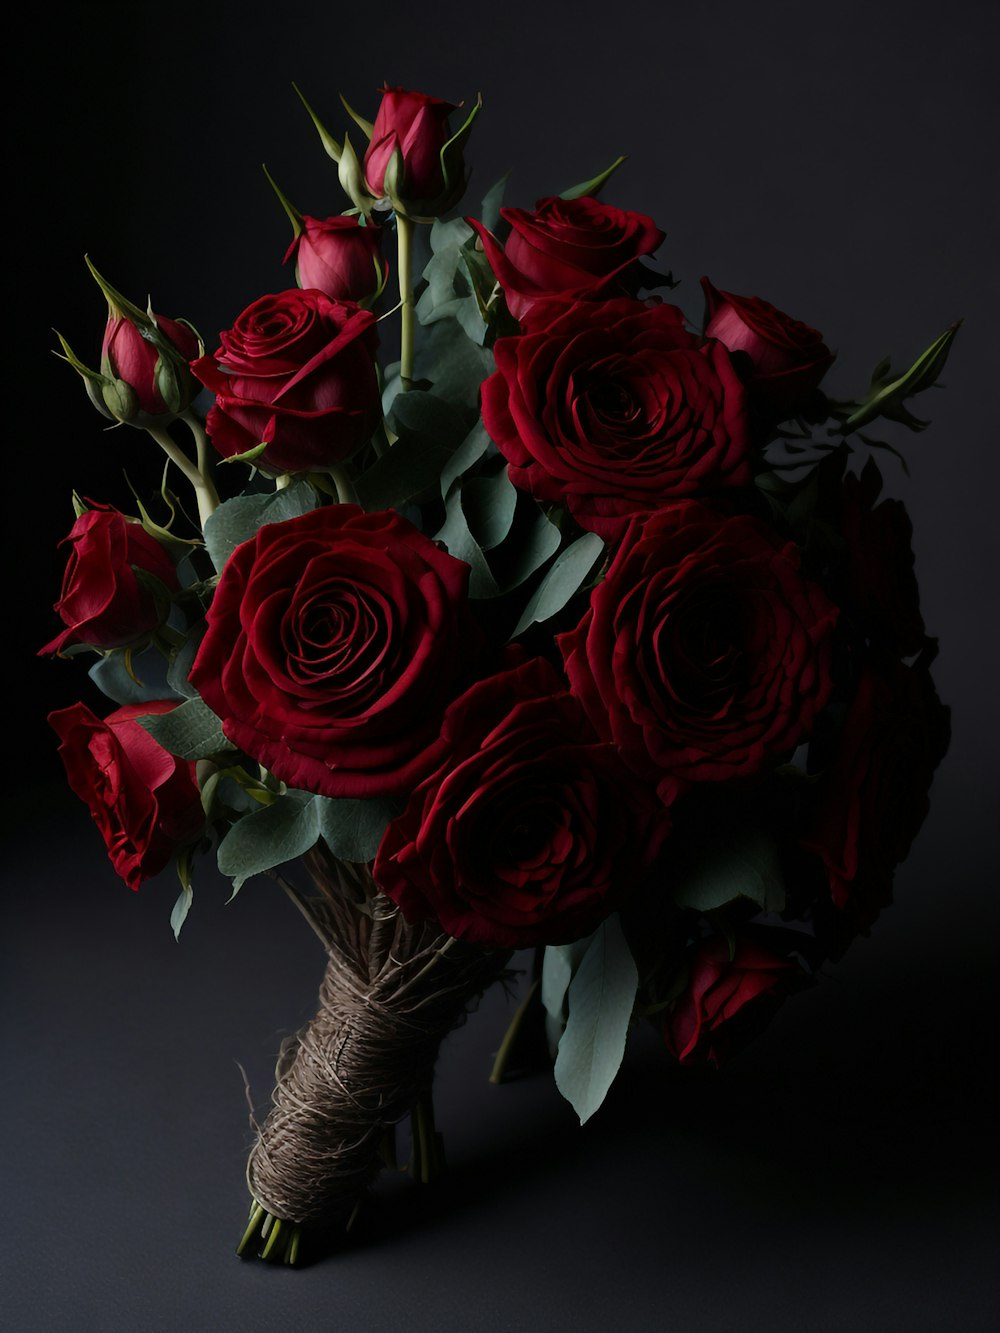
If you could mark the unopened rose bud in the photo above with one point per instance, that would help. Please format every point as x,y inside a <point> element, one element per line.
<point>340,258</point>
<point>414,160</point>
<point>144,377</point>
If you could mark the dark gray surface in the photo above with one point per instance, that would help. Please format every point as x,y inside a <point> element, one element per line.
<point>834,159</point>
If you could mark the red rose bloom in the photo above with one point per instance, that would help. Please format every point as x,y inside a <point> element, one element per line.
<point>144,801</point>
<point>874,796</point>
<point>334,642</point>
<point>615,409</point>
<point>340,258</point>
<point>417,126</point>
<point>570,246</point>
<point>704,651</point>
<point>529,831</point>
<point>103,601</point>
<point>297,372</point>
<point>699,1026</point>
<point>788,358</point>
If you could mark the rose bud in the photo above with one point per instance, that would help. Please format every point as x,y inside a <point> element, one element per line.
<point>580,247</point>
<point>413,158</point>
<point>705,1022</point>
<point>341,258</point>
<point>788,359</point>
<point>108,595</point>
<point>144,376</point>
<point>144,801</point>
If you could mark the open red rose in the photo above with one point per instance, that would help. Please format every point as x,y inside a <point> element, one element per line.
<point>699,1026</point>
<point>144,801</point>
<point>704,651</point>
<point>340,258</point>
<point>334,642</point>
<point>529,831</point>
<point>788,358</point>
<point>874,796</point>
<point>104,600</point>
<point>417,126</point>
<point>297,372</point>
<point>615,409</point>
<point>580,246</point>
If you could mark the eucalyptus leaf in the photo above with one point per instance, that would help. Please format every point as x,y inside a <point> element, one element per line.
<point>237,520</point>
<point>353,829</point>
<point>182,662</point>
<point>408,470</point>
<point>489,504</point>
<point>600,1000</point>
<point>559,962</point>
<point>112,678</point>
<point>454,363</point>
<point>269,837</point>
<point>468,453</point>
<point>534,547</point>
<point>727,869</point>
<point>460,543</point>
<point>564,577</point>
<point>427,416</point>
<point>180,909</point>
<point>489,211</point>
<point>190,731</point>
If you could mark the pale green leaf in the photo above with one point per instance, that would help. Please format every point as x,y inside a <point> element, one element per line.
<point>600,1001</point>
<point>353,829</point>
<point>269,837</point>
<point>190,731</point>
<point>236,521</point>
<point>565,576</point>
<point>728,869</point>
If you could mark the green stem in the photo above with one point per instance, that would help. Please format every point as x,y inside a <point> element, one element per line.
<point>404,261</point>
<point>346,494</point>
<point>499,1069</point>
<point>205,492</point>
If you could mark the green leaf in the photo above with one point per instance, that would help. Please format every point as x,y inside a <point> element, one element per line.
<point>565,576</point>
<point>600,1000</point>
<point>111,676</point>
<point>559,962</point>
<point>238,520</point>
<point>180,909</point>
<point>533,549</point>
<point>460,543</point>
<point>748,866</point>
<point>489,504</point>
<point>595,184</point>
<point>190,731</point>
<point>469,452</point>
<point>269,837</point>
<point>489,212</point>
<point>182,662</point>
<point>353,829</point>
<point>428,417</point>
<point>454,364</point>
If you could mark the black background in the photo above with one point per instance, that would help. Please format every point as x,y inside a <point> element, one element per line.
<point>836,159</point>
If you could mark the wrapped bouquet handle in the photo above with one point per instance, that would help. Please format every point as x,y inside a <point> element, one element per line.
<point>390,994</point>
<point>583,627</point>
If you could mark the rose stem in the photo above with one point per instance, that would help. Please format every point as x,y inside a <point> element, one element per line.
<point>499,1069</point>
<point>197,428</point>
<point>404,255</point>
<point>204,491</point>
<point>346,494</point>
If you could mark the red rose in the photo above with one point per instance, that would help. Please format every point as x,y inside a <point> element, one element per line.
<point>529,832</point>
<point>144,801</point>
<point>297,372</point>
<point>340,258</point>
<point>334,642</point>
<point>874,796</point>
<point>704,651</point>
<point>614,408</point>
<point>104,601</point>
<point>788,358</point>
<point>578,246</point>
<point>418,127</point>
<point>134,359</point>
<point>699,1028</point>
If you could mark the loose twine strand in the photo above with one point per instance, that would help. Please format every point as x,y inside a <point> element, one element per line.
<point>390,994</point>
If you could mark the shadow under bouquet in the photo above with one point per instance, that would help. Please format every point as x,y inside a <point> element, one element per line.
<point>577,627</point>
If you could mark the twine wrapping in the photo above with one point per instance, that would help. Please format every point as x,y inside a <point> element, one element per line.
<point>390,994</point>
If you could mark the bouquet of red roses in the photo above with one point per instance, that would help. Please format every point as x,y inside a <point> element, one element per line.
<point>578,627</point>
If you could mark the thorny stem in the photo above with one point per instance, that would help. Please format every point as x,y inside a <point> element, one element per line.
<point>404,260</point>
